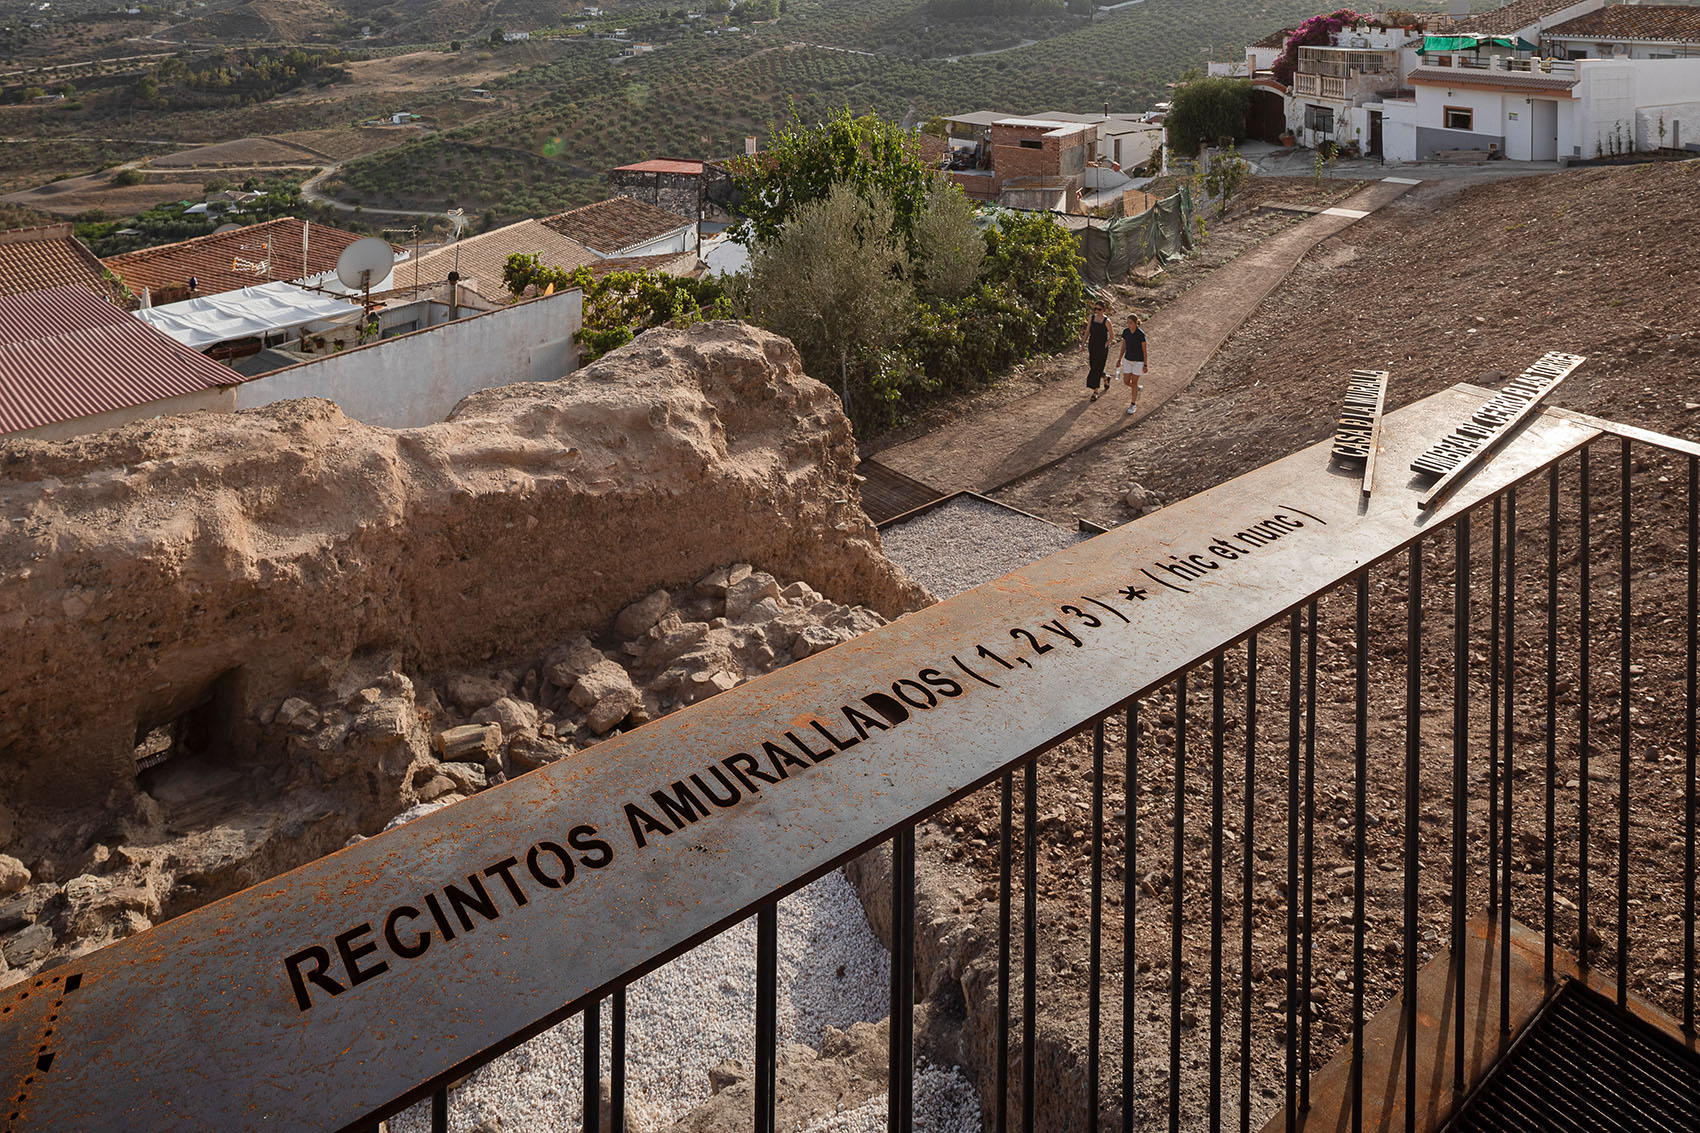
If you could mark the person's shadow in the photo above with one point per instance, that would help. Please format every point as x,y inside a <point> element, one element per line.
<point>1024,457</point>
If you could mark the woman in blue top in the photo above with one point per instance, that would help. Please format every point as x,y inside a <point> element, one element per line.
<point>1133,360</point>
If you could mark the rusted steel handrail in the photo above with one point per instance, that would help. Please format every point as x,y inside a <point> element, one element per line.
<point>392,966</point>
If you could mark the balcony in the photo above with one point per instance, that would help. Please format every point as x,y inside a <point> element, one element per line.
<point>1319,86</point>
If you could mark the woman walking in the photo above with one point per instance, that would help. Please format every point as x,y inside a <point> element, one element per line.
<point>1097,347</point>
<point>1133,360</point>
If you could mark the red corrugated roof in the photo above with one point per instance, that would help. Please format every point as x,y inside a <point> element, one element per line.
<point>48,256</point>
<point>258,253</point>
<point>66,354</point>
<point>663,165</point>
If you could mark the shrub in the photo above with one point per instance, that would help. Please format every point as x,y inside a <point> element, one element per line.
<point>1205,109</point>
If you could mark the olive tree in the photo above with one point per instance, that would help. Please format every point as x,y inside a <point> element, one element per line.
<point>833,280</point>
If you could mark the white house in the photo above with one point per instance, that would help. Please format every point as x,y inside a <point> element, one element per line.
<point>1602,82</point>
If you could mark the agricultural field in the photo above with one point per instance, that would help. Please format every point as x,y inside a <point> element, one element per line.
<point>565,107</point>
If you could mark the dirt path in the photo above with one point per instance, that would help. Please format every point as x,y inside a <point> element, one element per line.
<point>986,451</point>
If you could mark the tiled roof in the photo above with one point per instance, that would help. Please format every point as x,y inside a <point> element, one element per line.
<point>1482,77</point>
<point>32,259</point>
<point>611,226</point>
<point>239,258</point>
<point>662,165</point>
<point>1275,38</point>
<point>1513,17</point>
<point>1660,22</point>
<point>667,263</point>
<point>66,354</point>
<point>480,259</point>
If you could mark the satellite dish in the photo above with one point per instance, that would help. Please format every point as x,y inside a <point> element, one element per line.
<point>365,262</point>
<point>223,228</point>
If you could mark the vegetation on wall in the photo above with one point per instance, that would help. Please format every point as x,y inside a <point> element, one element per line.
<point>1317,31</point>
<point>1206,110</point>
<point>620,305</point>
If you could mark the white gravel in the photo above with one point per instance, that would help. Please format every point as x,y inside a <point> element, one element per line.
<point>700,1009</point>
<point>944,1103</point>
<point>958,545</point>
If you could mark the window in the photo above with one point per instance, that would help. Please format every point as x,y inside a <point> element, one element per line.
<point>1320,118</point>
<point>1459,118</point>
<point>1028,143</point>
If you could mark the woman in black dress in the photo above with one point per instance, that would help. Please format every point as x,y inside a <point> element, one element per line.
<point>1097,347</point>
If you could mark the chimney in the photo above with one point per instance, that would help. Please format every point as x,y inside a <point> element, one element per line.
<point>454,296</point>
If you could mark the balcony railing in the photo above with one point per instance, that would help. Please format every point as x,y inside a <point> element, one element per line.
<point>1319,86</point>
<point>1321,735</point>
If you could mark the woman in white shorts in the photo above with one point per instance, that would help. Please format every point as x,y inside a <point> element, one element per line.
<point>1133,360</point>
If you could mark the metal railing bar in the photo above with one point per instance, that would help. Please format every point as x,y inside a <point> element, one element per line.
<point>1094,962</point>
<point>1309,858</point>
<point>1178,887</point>
<point>1623,733</point>
<point>1247,846</point>
<point>1413,723</point>
<point>1360,828</point>
<point>440,1110</point>
<point>1676,445</point>
<point>1460,783</point>
<point>592,1067</point>
<point>1584,685</point>
<point>1006,844</point>
<point>1508,761</point>
<point>1130,923</point>
<point>900,1075</point>
<point>1294,661</point>
<point>1692,696</point>
<point>1214,1109</point>
<point>617,1062</point>
<point>767,1016</point>
<point>1493,705</point>
<point>1548,930</point>
<point>1030,940</point>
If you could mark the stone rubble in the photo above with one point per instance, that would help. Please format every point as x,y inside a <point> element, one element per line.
<point>383,743</point>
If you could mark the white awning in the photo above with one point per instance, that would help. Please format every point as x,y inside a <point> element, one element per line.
<point>246,312</point>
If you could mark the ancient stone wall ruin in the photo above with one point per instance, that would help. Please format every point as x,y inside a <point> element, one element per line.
<point>193,572</point>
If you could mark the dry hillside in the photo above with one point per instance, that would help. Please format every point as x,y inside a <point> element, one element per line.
<point>1448,284</point>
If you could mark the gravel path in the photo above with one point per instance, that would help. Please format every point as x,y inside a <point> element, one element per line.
<point>960,544</point>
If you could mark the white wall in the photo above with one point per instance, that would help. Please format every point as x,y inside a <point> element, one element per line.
<point>220,400</point>
<point>1398,130</point>
<point>1606,91</point>
<point>681,241</point>
<point>415,379</point>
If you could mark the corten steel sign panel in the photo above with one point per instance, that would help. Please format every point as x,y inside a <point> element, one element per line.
<point>320,997</point>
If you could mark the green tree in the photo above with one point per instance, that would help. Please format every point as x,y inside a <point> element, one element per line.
<point>1224,175</point>
<point>832,280</point>
<point>877,159</point>
<point>1205,110</point>
<point>949,243</point>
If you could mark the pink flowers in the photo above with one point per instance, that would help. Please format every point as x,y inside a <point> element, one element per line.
<point>1317,31</point>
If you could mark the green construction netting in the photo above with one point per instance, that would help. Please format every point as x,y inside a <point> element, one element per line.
<point>1471,42</point>
<point>1112,248</point>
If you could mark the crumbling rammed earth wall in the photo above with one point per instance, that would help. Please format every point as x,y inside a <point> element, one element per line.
<point>238,558</point>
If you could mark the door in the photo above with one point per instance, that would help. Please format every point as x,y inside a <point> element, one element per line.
<point>1543,129</point>
<point>1266,115</point>
<point>1374,133</point>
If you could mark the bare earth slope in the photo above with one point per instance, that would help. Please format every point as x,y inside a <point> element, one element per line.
<point>1448,284</point>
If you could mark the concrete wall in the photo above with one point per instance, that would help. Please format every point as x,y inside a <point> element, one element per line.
<point>222,400</point>
<point>681,241</point>
<point>415,379</point>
